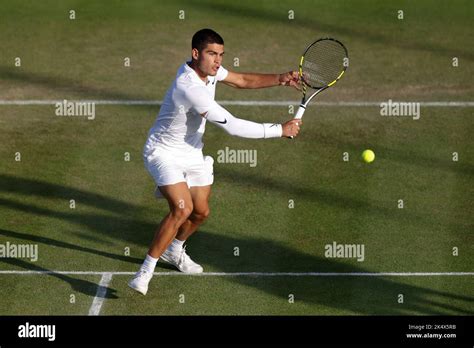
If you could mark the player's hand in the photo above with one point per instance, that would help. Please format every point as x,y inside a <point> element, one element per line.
<point>291,79</point>
<point>291,128</point>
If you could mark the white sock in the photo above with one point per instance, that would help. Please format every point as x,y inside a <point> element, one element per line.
<point>149,264</point>
<point>176,245</point>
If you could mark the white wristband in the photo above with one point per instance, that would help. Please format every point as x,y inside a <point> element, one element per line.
<point>272,130</point>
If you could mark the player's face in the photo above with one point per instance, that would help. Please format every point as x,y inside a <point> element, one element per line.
<point>210,59</point>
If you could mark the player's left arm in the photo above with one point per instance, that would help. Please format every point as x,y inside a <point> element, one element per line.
<point>250,81</point>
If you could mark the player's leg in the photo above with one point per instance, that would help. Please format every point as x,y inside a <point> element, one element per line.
<point>199,176</point>
<point>200,196</point>
<point>167,170</point>
<point>176,253</point>
<point>181,206</point>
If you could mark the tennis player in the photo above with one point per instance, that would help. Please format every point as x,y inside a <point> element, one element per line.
<point>173,151</point>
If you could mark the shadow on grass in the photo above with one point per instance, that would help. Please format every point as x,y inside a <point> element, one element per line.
<point>126,229</point>
<point>34,187</point>
<point>62,84</point>
<point>83,286</point>
<point>351,294</point>
<point>65,245</point>
<point>354,294</point>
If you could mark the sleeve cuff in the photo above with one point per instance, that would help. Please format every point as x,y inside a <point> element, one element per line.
<point>272,130</point>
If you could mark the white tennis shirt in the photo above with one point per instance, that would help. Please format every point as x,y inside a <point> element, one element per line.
<point>179,126</point>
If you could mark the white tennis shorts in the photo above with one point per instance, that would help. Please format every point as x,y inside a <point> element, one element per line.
<point>168,168</point>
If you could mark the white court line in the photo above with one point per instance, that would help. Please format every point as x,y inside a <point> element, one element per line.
<point>257,274</point>
<point>100,295</point>
<point>240,102</point>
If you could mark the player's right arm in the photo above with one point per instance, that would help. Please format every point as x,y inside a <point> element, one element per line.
<point>203,104</point>
<point>248,129</point>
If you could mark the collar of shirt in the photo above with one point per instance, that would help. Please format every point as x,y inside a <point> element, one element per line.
<point>194,74</point>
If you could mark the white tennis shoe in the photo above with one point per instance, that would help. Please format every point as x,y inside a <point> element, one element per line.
<point>140,281</point>
<point>182,261</point>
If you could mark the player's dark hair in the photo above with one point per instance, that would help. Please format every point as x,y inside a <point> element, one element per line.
<point>204,37</point>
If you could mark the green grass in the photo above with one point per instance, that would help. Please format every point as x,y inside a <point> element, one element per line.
<point>255,296</point>
<point>348,202</point>
<point>48,295</point>
<point>83,58</point>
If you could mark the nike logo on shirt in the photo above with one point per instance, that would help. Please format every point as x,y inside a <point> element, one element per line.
<point>223,122</point>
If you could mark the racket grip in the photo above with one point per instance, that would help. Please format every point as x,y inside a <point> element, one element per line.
<point>299,115</point>
<point>300,112</point>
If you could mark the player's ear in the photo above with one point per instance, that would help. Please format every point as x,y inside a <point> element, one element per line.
<point>195,53</point>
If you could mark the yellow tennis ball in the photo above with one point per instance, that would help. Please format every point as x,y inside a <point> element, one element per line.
<point>368,156</point>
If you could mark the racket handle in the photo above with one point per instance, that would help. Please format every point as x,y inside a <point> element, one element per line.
<point>299,115</point>
<point>300,112</point>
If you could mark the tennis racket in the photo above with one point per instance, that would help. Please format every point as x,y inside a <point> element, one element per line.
<point>322,64</point>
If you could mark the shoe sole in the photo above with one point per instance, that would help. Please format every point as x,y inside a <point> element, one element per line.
<point>141,291</point>
<point>169,261</point>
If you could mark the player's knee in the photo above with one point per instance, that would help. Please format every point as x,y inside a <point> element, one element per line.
<point>199,216</point>
<point>181,213</point>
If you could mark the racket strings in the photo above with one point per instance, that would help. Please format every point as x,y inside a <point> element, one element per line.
<point>323,63</point>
